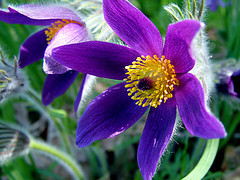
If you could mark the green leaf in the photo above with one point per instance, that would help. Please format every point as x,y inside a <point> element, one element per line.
<point>18,169</point>
<point>8,114</point>
<point>205,162</point>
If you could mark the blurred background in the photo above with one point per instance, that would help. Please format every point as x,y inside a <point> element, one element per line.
<point>115,158</point>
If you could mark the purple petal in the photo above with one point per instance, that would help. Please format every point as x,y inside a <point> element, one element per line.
<point>177,44</point>
<point>80,92</point>
<point>191,105</point>
<point>233,84</point>
<point>96,58</point>
<point>213,4</point>
<point>33,49</point>
<point>69,34</point>
<point>109,114</point>
<point>57,84</point>
<point>133,27</point>
<point>224,4</point>
<point>15,18</point>
<point>37,15</point>
<point>156,135</point>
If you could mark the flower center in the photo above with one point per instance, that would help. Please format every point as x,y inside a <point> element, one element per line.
<point>55,27</point>
<point>150,80</point>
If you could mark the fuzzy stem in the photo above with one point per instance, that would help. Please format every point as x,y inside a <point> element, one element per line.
<point>60,156</point>
<point>189,5</point>
<point>179,10</point>
<point>170,10</point>
<point>205,162</point>
<point>201,10</point>
<point>194,8</point>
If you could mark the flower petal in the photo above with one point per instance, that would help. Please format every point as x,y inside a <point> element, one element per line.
<point>156,135</point>
<point>177,44</point>
<point>133,27</point>
<point>57,84</point>
<point>224,4</point>
<point>111,113</point>
<point>96,58</point>
<point>69,34</point>
<point>33,49</point>
<point>191,105</point>
<point>213,4</point>
<point>37,15</point>
<point>233,84</point>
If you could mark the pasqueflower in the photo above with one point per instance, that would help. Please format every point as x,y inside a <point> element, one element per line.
<point>154,76</point>
<point>229,83</point>
<point>213,4</point>
<point>64,26</point>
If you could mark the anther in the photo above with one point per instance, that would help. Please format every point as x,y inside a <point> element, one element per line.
<point>150,80</point>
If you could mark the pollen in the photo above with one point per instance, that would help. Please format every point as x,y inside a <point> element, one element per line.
<point>55,27</point>
<point>150,80</point>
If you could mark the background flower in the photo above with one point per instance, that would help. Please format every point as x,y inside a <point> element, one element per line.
<point>228,77</point>
<point>65,27</point>
<point>213,4</point>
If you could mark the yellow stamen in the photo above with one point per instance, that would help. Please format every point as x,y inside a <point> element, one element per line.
<point>55,27</point>
<point>150,80</point>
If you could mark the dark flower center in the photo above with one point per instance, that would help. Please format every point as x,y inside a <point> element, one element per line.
<point>145,84</point>
<point>236,82</point>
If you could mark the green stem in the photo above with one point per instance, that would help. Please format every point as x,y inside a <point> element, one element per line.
<point>36,99</point>
<point>170,10</point>
<point>68,161</point>
<point>63,135</point>
<point>205,162</point>
<point>201,10</point>
<point>194,9</point>
<point>179,10</point>
<point>189,5</point>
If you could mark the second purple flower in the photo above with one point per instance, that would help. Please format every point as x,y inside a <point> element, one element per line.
<point>64,26</point>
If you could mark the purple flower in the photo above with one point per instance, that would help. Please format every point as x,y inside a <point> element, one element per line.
<point>230,84</point>
<point>155,77</point>
<point>213,4</point>
<point>64,27</point>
